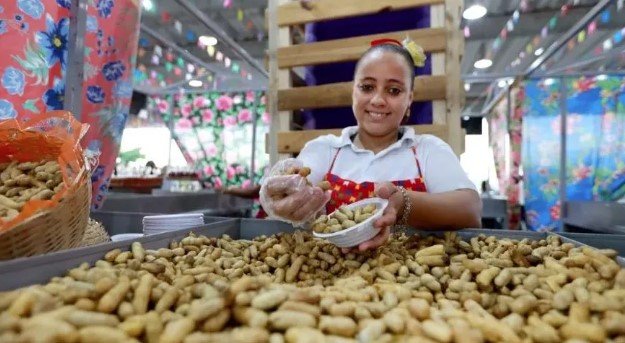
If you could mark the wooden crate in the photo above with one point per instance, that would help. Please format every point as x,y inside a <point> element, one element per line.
<point>443,40</point>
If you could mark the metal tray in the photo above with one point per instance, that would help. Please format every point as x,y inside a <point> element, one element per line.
<point>39,269</point>
<point>598,240</point>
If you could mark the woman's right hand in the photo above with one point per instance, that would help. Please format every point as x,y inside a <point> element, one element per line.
<point>289,197</point>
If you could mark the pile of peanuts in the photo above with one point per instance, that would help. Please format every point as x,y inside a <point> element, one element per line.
<point>343,219</point>
<point>294,288</point>
<point>22,182</point>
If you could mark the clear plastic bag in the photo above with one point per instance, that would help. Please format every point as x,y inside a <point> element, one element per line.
<point>280,190</point>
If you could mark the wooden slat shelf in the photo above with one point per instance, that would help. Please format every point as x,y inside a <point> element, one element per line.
<point>292,13</point>
<point>350,49</point>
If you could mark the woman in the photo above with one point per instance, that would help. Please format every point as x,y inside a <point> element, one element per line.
<point>419,174</point>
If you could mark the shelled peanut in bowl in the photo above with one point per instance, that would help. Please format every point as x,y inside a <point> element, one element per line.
<point>343,219</point>
<point>25,181</point>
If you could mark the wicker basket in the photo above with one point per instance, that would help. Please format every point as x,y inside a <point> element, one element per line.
<point>61,227</point>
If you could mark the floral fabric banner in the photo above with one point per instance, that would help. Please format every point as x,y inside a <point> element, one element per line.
<point>505,138</point>
<point>595,154</point>
<point>215,131</point>
<point>34,37</point>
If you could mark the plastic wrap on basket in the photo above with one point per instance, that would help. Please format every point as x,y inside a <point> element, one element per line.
<point>59,222</point>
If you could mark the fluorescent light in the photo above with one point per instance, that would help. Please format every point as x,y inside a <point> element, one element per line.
<point>208,40</point>
<point>196,83</point>
<point>549,81</point>
<point>474,12</point>
<point>467,86</point>
<point>602,77</point>
<point>539,51</point>
<point>147,5</point>
<point>483,63</point>
<point>465,118</point>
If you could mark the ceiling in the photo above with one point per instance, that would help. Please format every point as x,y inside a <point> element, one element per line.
<point>572,58</point>
<point>243,22</point>
<point>163,30</point>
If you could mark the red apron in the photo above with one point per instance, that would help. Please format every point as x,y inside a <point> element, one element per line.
<point>347,191</point>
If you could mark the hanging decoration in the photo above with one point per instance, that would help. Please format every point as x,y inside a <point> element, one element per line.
<point>210,50</point>
<point>581,36</point>
<point>178,27</point>
<point>191,36</point>
<point>158,51</point>
<point>227,3</point>
<point>240,15</point>
<point>165,17</point>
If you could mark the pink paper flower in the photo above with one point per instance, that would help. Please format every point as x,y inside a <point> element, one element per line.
<point>250,96</point>
<point>239,169</point>
<point>230,121</point>
<point>245,116</point>
<point>230,172</point>
<point>224,103</point>
<point>199,102</point>
<point>163,106</point>
<point>209,171</point>
<point>263,100</point>
<point>266,118</point>
<point>207,115</point>
<point>217,182</point>
<point>184,124</point>
<point>211,149</point>
<point>196,120</point>
<point>246,184</point>
<point>186,110</point>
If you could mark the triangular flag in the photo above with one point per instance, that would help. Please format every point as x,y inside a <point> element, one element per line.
<point>210,50</point>
<point>240,14</point>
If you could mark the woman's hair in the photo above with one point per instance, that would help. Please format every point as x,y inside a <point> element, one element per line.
<point>396,49</point>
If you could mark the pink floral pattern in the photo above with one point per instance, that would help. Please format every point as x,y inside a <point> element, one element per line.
<point>213,130</point>
<point>224,103</point>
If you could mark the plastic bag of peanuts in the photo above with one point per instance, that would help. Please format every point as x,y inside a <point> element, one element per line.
<point>40,161</point>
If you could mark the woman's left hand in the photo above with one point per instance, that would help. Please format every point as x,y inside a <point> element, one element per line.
<point>388,191</point>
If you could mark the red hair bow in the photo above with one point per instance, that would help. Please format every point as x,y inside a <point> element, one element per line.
<point>385,41</point>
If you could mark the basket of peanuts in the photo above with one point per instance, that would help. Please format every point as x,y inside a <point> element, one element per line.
<point>45,188</point>
<point>350,224</point>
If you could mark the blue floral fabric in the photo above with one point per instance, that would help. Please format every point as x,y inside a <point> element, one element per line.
<point>595,154</point>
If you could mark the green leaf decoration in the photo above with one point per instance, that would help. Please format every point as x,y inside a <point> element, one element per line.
<point>34,63</point>
<point>30,105</point>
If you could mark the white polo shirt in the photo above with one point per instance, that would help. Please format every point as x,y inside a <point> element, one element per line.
<point>440,166</point>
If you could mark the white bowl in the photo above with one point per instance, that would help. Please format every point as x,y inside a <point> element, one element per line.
<point>125,236</point>
<point>360,232</point>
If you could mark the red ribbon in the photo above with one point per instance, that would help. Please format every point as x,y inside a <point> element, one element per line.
<point>385,41</point>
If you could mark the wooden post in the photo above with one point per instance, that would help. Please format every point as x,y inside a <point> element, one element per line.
<point>455,90</point>
<point>278,79</point>
<point>437,20</point>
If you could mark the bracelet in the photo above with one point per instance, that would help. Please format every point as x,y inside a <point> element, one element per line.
<point>403,222</point>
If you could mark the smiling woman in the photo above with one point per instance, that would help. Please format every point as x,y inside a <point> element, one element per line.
<point>419,174</point>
